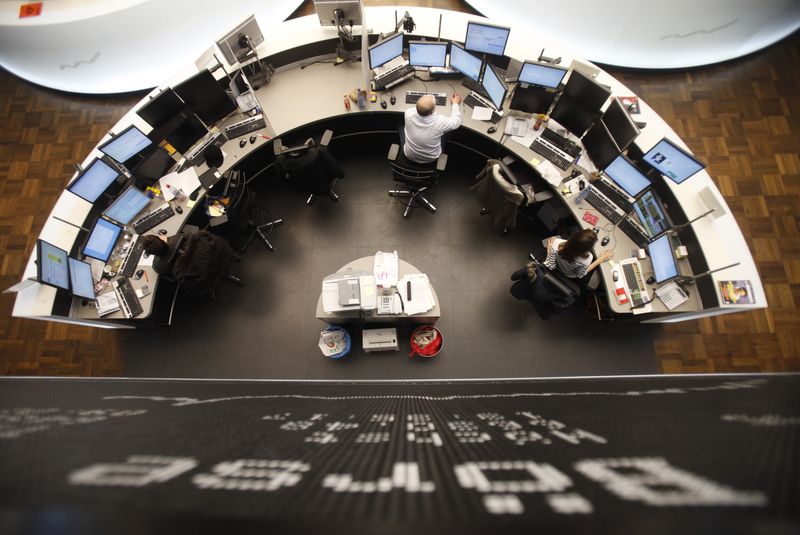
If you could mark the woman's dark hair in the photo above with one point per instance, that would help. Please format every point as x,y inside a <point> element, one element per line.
<point>577,245</point>
<point>154,245</point>
<point>213,156</point>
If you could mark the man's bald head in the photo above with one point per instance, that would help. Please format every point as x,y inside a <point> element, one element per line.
<point>426,104</point>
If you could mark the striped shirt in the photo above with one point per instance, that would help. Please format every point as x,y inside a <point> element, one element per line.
<point>574,269</point>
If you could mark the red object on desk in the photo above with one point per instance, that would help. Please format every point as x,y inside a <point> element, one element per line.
<point>30,10</point>
<point>590,218</point>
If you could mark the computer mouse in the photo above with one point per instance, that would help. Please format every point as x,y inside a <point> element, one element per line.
<point>581,184</point>
<point>604,241</point>
<point>393,100</point>
<point>138,275</point>
<point>491,130</point>
<point>253,139</point>
<point>615,275</point>
<point>242,143</point>
<point>383,104</point>
<point>651,279</point>
<point>193,195</point>
<point>163,232</point>
<point>178,209</point>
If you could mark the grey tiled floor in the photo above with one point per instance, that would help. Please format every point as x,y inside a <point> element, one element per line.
<point>268,330</point>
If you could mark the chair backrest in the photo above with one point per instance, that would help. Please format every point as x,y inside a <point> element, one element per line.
<point>510,191</point>
<point>558,280</point>
<point>304,168</point>
<point>202,262</point>
<point>404,170</point>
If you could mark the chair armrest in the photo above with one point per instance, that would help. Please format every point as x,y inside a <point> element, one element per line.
<point>326,138</point>
<point>542,196</point>
<point>508,174</point>
<point>277,146</point>
<point>441,163</point>
<point>394,150</point>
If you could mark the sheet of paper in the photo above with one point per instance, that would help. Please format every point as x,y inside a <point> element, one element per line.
<point>421,295</point>
<point>330,297</point>
<point>146,260</point>
<point>550,172</point>
<point>526,140</point>
<point>187,181</point>
<point>386,268</point>
<point>479,113</point>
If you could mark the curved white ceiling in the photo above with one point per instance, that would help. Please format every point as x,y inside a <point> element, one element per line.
<point>652,34</point>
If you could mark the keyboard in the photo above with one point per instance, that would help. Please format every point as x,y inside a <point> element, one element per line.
<point>413,96</point>
<point>394,77</point>
<point>131,260</point>
<point>472,85</point>
<point>245,126</point>
<point>637,291</point>
<point>634,232</point>
<point>473,100</point>
<point>602,205</point>
<point>570,147</point>
<point>555,156</point>
<point>126,295</point>
<point>614,195</point>
<point>154,218</point>
<point>194,156</point>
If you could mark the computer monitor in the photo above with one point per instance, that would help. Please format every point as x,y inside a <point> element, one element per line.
<point>620,124</point>
<point>586,91</point>
<point>572,115</point>
<point>206,97</point>
<point>158,111</point>
<point>154,166</point>
<point>93,181</point>
<point>350,11</point>
<point>188,132</point>
<point>486,38</point>
<point>664,265</point>
<point>532,99</point>
<point>235,46</point>
<point>51,265</point>
<point>80,278</point>
<point>126,144</point>
<point>464,62</point>
<point>600,145</point>
<point>651,214</point>
<point>102,239</point>
<point>427,54</point>
<point>494,86</point>
<point>541,75</point>
<point>627,176</point>
<point>385,51</point>
<point>672,162</point>
<point>125,207</point>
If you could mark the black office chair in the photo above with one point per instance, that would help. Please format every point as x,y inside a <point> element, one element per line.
<point>309,166</point>
<point>419,178</point>
<point>202,264</point>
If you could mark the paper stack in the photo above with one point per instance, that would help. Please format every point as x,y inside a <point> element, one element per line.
<point>416,292</point>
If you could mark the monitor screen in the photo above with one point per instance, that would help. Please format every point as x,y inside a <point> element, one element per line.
<point>541,75</point>
<point>627,176</point>
<point>651,215</point>
<point>188,132</point>
<point>159,110</point>
<point>600,145</point>
<point>486,38</point>
<point>532,99</point>
<point>586,91</point>
<point>664,266</point>
<point>102,239</point>
<point>572,116</point>
<point>51,265</point>
<point>385,51</point>
<point>620,124</point>
<point>494,86</point>
<point>427,54</point>
<point>126,145</point>
<point>129,203</point>
<point>465,63</point>
<point>154,166</point>
<point>671,161</point>
<point>206,97</point>
<point>80,276</point>
<point>93,181</point>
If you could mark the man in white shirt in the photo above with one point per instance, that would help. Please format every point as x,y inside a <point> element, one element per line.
<point>424,129</point>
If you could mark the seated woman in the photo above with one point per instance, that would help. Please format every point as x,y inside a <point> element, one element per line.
<point>573,257</point>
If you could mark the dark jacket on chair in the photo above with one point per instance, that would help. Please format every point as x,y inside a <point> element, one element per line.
<point>500,197</point>
<point>203,260</point>
<point>311,171</point>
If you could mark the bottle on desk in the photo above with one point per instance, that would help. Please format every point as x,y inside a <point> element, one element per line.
<point>176,192</point>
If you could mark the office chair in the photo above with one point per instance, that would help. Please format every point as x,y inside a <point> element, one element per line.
<point>202,264</point>
<point>257,221</point>
<point>501,194</point>
<point>418,177</point>
<point>309,166</point>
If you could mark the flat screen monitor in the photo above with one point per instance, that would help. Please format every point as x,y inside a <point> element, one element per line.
<point>188,132</point>
<point>464,62</point>
<point>532,99</point>
<point>125,207</point>
<point>102,239</point>
<point>159,110</point>
<point>350,12</point>
<point>572,115</point>
<point>93,181</point>
<point>620,124</point>
<point>51,265</point>
<point>600,145</point>
<point>154,166</point>
<point>427,54</point>
<point>385,51</point>
<point>80,278</point>
<point>664,265</point>
<point>494,86</point>
<point>126,145</point>
<point>672,162</point>
<point>651,214</point>
<point>206,97</point>
<point>541,75</point>
<point>486,38</point>
<point>586,91</point>
<point>235,46</point>
<point>627,176</point>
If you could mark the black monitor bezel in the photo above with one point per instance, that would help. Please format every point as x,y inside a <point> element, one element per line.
<point>543,97</point>
<point>39,278</point>
<point>545,65</point>
<point>118,199</point>
<point>398,35</point>
<point>117,136</point>
<point>86,170</point>
<point>630,162</point>
<point>564,100</point>
<point>500,79</point>
<point>209,108</point>
<point>476,23</point>
<point>620,108</point>
<point>429,43</point>
<point>465,51</point>
<point>679,149</point>
<point>89,235</point>
<point>176,107</point>
<point>664,236</point>
<point>594,104</point>
<point>72,286</point>
<point>603,129</point>
<point>661,207</point>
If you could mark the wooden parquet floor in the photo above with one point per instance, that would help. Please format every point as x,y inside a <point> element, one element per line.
<point>741,117</point>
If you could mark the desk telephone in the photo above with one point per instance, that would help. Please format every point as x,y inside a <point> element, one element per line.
<point>390,304</point>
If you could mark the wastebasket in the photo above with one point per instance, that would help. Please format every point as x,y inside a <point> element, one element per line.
<point>426,341</point>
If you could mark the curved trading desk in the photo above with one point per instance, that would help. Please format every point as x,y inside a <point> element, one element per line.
<point>305,92</point>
